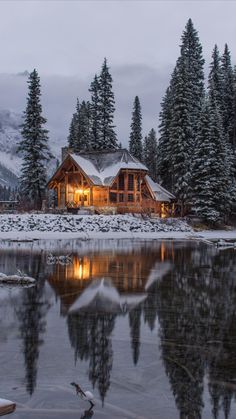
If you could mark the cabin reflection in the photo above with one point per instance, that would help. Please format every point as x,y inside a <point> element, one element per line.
<point>129,271</point>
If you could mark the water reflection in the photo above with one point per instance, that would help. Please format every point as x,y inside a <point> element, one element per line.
<point>186,291</point>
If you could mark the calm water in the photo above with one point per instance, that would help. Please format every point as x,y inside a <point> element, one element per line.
<point>149,327</point>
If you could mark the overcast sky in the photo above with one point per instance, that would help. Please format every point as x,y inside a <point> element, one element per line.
<point>68,40</point>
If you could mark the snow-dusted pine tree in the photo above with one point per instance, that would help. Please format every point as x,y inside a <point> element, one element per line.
<point>221,169</point>
<point>179,118</point>
<point>227,94</point>
<point>164,152</point>
<point>203,169</point>
<point>108,139</point>
<point>150,153</point>
<point>74,128</point>
<point>135,141</point>
<point>83,141</point>
<point>80,131</point>
<point>220,103</point>
<point>215,82</point>
<point>94,115</point>
<point>34,146</point>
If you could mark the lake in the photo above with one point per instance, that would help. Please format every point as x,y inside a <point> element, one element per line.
<point>148,326</point>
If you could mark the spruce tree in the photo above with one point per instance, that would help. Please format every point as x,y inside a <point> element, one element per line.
<point>80,131</point>
<point>150,154</point>
<point>135,142</point>
<point>34,146</point>
<point>83,139</point>
<point>227,94</point>
<point>181,134</point>
<point>203,169</point>
<point>217,90</point>
<point>179,117</point>
<point>164,168</point>
<point>108,139</point>
<point>95,143</point>
<point>215,82</point>
<point>74,128</point>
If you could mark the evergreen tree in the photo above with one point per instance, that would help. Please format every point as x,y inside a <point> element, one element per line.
<point>107,137</point>
<point>217,90</point>
<point>83,140</point>
<point>227,95</point>
<point>180,113</point>
<point>215,82</point>
<point>74,126</point>
<point>205,168</point>
<point>34,146</point>
<point>135,142</point>
<point>150,154</point>
<point>181,133</point>
<point>221,168</point>
<point>79,131</point>
<point>164,168</point>
<point>228,115</point>
<point>95,115</point>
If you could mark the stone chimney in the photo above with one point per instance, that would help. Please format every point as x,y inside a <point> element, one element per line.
<point>64,152</point>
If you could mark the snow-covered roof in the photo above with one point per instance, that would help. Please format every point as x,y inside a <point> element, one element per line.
<point>160,193</point>
<point>103,166</point>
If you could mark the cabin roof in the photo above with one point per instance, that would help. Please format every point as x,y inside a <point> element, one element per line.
<point>160,193</point>
<point>103,166</point>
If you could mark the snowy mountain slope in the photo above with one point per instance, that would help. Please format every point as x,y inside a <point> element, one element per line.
<point>9,138</point>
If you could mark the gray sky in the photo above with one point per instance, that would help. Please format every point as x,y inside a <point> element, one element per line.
<point>68,40</point>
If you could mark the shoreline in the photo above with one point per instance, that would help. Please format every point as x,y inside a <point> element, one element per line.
<point>205,235</point>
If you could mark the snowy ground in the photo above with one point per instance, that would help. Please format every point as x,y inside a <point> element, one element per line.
<point>49,226</point>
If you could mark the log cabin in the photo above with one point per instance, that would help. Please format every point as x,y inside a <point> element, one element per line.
<point>109,181</point>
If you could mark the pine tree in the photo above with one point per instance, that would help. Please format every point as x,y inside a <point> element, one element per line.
<point>203,169</point>
<point>179,117</point>
<point>181,134</point>
<point>228,115</point>
<point>74,126</point>
<point>83,140</point>
<point>80,131</point>
<point>34,146</point>
<point>164,168</point>
<point>227,94</point>
<point>150,154</point>
<point>94,115</point>
<point>215,82</point>
<point>218,81</point>
<point>108,139</point>
<point>135,142</point>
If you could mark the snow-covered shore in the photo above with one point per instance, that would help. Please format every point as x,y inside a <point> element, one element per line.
<point>39,226</point>
<point>19,227</point>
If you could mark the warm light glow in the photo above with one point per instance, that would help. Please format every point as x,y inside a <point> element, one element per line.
<point>81,268</point>
<point>162,251</point>
<point>79,191</point>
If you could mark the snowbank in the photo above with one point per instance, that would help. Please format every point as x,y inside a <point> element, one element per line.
<point>6,406</point>
<point>36,226</point>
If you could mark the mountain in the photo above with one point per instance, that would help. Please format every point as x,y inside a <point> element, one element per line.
<point>9,137</point>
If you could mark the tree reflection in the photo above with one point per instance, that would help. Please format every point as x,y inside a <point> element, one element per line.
<point>135,327</point>
<point>196,313</point>
<point>31,316</point>
<point>90,336</point>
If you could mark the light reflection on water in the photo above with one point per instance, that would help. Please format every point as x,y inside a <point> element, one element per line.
<point>150,326</point>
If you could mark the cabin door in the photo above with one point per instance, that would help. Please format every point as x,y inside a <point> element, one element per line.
<point>82,199</point>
